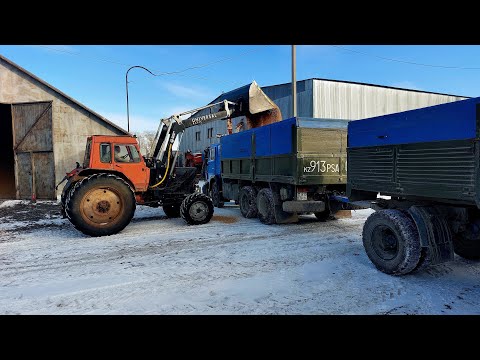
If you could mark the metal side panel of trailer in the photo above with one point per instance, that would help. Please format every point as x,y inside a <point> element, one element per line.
<point>299,151</point>
<point>429,153</point>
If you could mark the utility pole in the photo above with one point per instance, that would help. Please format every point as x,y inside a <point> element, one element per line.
<point>294,81</point>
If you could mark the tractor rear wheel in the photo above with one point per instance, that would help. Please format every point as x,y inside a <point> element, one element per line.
<point>100,205</point>
<point>66,190</point>
<point>197,209</point>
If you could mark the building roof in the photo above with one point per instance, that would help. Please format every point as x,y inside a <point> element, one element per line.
<point>36,78</point>
<point>242,89</point>
<point>375,85</point>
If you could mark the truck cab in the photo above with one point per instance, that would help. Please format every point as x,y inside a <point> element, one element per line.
<point>213,163</point>
<point>212,174</point>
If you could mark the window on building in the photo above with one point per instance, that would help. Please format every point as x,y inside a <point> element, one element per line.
<point>197,136</point>
<point>210,133</point>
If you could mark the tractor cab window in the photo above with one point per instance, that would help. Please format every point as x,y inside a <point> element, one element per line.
<point>86,159</point>
<point>105,153</point>
<point>126,154</point>
<point>212,153</point>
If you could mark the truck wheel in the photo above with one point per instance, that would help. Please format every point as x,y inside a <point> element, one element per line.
<point>248,202</point>
<point>172,210</point>
<point>196,209</point>
<point>323,215</point>
<point>100,205</point>
<point>266,206</point>
<point>391,241</point>
<point>215,195</point>
<point>466,248</point>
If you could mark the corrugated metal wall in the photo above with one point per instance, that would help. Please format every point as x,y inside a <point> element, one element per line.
<point>338,100</point>
<point>282,96</point>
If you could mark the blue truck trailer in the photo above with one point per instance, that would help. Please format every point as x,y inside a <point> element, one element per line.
<point>278,171</point>
<point>427,161</point>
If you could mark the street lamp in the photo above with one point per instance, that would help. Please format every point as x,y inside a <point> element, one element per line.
<point>126,87</point>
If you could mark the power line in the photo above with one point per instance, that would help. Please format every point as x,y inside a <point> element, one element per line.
<point>214,62</point>
<point>81,55</point>
<point>404,61</point>
<point>197,77</point>
<point>163,73</point>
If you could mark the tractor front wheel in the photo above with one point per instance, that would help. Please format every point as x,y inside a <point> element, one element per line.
<point>196,209</point>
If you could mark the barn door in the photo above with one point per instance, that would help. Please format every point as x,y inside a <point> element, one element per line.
<point>33,149</point>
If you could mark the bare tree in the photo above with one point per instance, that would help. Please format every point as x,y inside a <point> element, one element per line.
<point>145,140</point>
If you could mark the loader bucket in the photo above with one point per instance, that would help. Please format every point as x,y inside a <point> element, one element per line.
<point>254,104</point>
<point>257,100</point>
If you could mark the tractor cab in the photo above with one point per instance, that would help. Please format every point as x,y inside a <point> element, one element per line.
<point>119,155</point>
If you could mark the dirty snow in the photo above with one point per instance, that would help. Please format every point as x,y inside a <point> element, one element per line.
<point>231,265</point>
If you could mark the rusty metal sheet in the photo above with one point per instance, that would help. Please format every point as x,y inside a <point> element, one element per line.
<point>44,171</point>
<point>32,126</point>
<point>33,149</point>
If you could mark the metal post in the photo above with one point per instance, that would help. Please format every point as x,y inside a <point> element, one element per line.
<point>294,81</point>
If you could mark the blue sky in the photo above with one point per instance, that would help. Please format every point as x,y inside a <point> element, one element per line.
<point>95,74</point>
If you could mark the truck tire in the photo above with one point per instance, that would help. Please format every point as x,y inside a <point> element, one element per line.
<point>216,196</point>
<point>266,206</point>
<point>466,248</point>
<point>196,209</point>
<point>391,241</point>
<point>323,215</point>
<point>172,210</point>
<point>247,199</point>
<point>100,204</point>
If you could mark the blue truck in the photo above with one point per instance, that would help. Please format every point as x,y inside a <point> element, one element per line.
<point>278,171</point>
<point>426,163</point>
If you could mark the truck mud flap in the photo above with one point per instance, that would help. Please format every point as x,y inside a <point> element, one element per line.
<point>282,217</point>
<point>435,233</point>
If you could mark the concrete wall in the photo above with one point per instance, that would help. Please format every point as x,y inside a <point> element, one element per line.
<point>71,123</point>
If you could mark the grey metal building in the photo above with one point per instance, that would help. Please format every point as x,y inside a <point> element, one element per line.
<point>43,132</point>
<point>328,99</point>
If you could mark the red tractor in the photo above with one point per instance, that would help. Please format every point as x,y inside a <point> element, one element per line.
<point>100,197</point>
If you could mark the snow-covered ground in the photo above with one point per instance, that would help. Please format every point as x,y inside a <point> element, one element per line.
<point>231,265</point>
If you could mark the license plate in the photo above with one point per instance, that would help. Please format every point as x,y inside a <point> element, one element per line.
<point>301,196</point>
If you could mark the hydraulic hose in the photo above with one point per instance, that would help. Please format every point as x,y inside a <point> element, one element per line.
<point>166,170</point>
